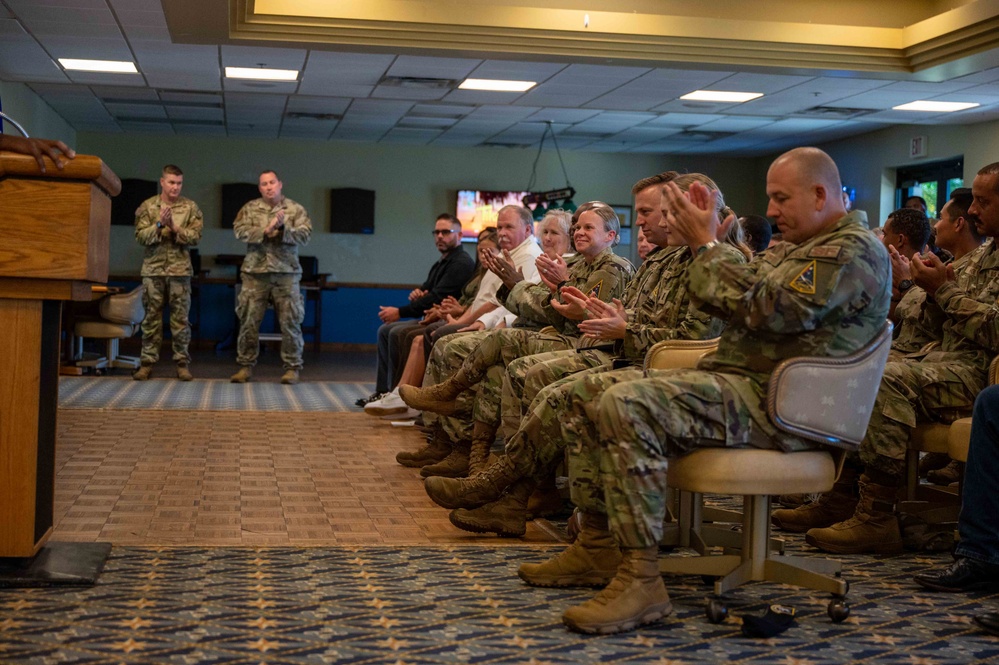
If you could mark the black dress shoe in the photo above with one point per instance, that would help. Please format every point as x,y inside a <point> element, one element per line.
<point>989,622</point>
<point>370,398</point>
<point>963,575</point>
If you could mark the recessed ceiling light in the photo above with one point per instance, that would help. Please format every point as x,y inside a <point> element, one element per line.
<point>936,107</point>
<point>261,74</point>
<point>721,96</point>
<point>113,66</point>
<point>496,85</point>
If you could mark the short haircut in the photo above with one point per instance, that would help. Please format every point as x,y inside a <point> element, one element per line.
<point>562,218</point>
<point>759,231</point>
<point>266,171</point>
<point>990,169</point>
<point>912,224</point>
<point>171,169</point>
<point>960,204</point>
<point>653,180</point>
<point>523,213</point>
<point>918,198</point>
<point>449,217</point>
<point>611,221</point>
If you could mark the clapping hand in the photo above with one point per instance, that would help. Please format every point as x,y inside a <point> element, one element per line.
<point>573,306</point>
<point>607,320</point>
<point>503,267</point>
<point>930,273</point>
<point>553,271</point>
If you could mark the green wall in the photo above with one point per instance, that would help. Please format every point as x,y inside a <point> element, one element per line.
<point>37,117</point>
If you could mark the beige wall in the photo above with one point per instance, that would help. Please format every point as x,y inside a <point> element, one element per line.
<point>412,183</point>
<point>37,117</point>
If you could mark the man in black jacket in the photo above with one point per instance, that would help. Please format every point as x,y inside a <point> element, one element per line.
<point>446,278</point>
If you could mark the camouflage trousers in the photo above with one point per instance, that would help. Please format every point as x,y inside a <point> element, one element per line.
<point>911,392</point>
<point>485,366</point>
<point>283,290</point>
<point>177,292</point>
<point>526,377</point>
<point>639,425</point>
<point>446,357</point>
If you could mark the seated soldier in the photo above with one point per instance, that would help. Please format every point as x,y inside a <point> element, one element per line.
<point>825,291</point>
<point>659,308</point>
<point>947,379</point>
<point>598,272</point>
<point>976,557</point>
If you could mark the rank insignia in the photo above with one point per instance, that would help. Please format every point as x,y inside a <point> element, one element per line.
<point>805,281</point>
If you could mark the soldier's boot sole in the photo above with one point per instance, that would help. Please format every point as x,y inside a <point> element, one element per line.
<point>642,607</point>
<point>856,537</point>
<point>507,524</point>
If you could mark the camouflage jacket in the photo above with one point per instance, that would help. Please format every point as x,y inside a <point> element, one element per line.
<point>658,305</point>
<point>278,254</point>
<point>530,300</point>
<point>605,277</point>
<point>911,331</point>
<point>968,312</point>
<point>828,296</point>
<point>167,254</point>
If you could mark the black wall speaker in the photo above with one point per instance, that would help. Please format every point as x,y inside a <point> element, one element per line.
<point>352,210</point>
<point>133,192</point>
<point>234,196</point>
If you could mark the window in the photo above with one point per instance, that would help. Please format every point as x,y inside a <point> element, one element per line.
<point>933,182</point>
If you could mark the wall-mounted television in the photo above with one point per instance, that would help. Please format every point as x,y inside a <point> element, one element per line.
<point>477,209</point>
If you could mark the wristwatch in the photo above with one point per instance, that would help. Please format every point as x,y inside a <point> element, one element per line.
<point>905,285</point>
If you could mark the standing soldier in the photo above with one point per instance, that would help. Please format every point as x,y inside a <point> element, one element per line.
<point>167,225</point>
<point>272,227</point>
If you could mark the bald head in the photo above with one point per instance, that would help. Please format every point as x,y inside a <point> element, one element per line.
<point>806,195</point>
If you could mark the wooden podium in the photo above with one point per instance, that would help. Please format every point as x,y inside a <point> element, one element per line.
<point>54,237</point>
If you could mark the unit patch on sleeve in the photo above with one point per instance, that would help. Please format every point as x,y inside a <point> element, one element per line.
<point>595,291</point>
<point>805,281</point>
<point>825,252</point>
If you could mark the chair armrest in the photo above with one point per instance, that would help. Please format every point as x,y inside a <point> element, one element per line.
<point>124,308</point>
<point>678,353</point>
<point>829,400</point>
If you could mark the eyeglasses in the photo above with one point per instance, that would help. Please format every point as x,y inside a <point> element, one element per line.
<point>444,232</point>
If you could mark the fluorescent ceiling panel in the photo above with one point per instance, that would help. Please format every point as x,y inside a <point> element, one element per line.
<point>108,66</point>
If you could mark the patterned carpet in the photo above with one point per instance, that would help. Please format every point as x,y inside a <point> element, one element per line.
<point>207,395</point>
<point>450,605</point>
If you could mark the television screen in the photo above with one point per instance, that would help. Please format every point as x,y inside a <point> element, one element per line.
<point>477,209</point>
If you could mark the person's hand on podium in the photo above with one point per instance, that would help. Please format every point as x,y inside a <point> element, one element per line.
<point>59,152</point>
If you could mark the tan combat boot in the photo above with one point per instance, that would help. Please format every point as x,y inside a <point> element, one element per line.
<point>143,373</point>
<point>290,377</point>
<point>931,462</point>
<point>506,517</point>
<point>436,399</point>
<point>455,465</point>
<point>833,506</point>
<point>635,597</point>
<point>243,375</point>
<point>483,436</point>
<point>951,473</point>
<point>873,527</point>
<point>436,449</point>
<point>546,500</point>
<point>592,560</point>
<point>475,491</point>
<point>183,373</point>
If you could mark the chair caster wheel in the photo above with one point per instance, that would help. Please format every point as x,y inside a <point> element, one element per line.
<point>838,610</point>
<point>716,611</point>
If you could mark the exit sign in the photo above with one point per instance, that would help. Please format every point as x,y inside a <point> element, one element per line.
<point>917,147</point>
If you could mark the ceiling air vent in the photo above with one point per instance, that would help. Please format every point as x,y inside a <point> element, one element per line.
<point>419,82</point>
<point>305,115</point>
<point>841,113</point>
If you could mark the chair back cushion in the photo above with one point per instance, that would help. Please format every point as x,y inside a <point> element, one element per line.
<point>679,353</point>
<point>125,308</point>
<point>829,400</point>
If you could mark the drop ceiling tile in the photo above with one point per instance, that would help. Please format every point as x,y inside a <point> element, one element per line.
<point>205,130</point>
<point>309,104</point>
<point>441,110</point>
<point>133,18</point>
<point>42,30</point>
<point>184,81</point>
<point>410,135</point>
<point>95,78</point>
<point>194,113</point>
<point>72,46</point>
<point>31,14</point>
<point>136,110</point>
<point>481,97</point>
<point>923,88</point>
<point>136,5</point>
<point>268,87</point>
<point>251,101</point>
<point>732,124</point>
<point>900,117</point>
<point>516,71</point>
<point>564,116</point>
<point>654,88</point>
<point>119,93</point>
<point>426,122</point>
<point>253,131</point>
<point>453,140</point>
<point>987,76</point>
<point>147,127</point>
<point>644,134</point>
<point>190,97</point>
<point>405,92</point>
<point>324,69</point>
<point>432,67</point>
<point>22,59</point>
<point>752,82</point>
<point>977,93</point>
<point>511,113</point>
<point>690,106</point>
<point>684,119</point>
<point>878,99</point>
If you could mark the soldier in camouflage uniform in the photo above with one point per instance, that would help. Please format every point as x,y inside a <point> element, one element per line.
<point>167,226</point>
<point>827,293</point>
<point>538,444</point>
<point>599,273</point>
<point>941,383</point>
<point>273,227</point>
